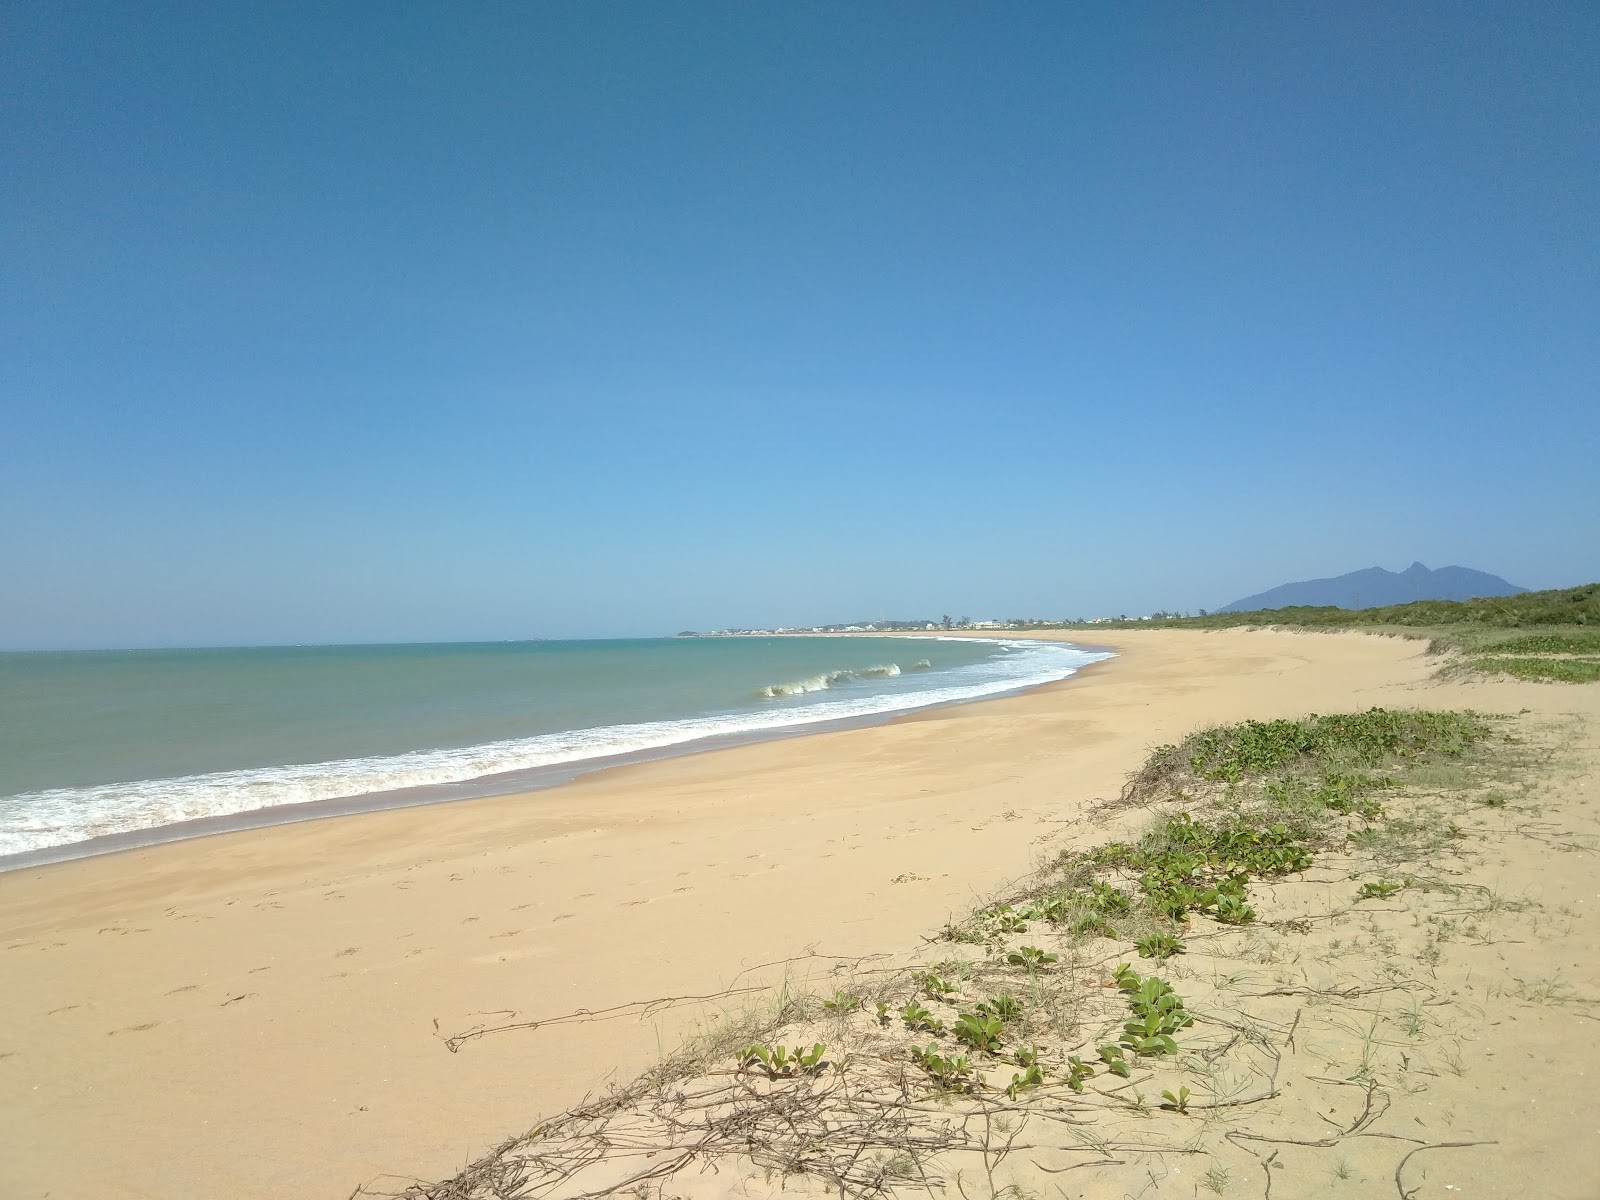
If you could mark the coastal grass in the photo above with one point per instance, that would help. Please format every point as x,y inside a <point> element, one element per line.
<point>1564,649</point>
<point>1576,606</point>
<point>1540,670</point>
<point>1024,1040</point>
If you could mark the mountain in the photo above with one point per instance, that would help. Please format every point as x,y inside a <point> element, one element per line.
<point>1376,587</point>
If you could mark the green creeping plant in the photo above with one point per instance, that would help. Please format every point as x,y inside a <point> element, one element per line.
<point>779,1062</point>
<point>1158,1014</point>
<point>1180,1102</point>
<point>1380,889</point>
<point>1026,1056</point>
<point>1231,910</point>
<point>842,1004</point>
<point>935,987</point>
<point>1031,957</point>
<point>1077,1072</point>
<point>1116,1062</point>
<point>1005,919</point>
<point>1126,978</point>
<point>883,1012</point>
<point>1092,926</point>
<point>978,1031</point>
<point>1007,1008</point>
<point>917,1017</point>
<point>1024,1080</point>
<point>951,1074</point>
<point>1159,946</point>
<point>1111,901</point>
<point>1052,908</point>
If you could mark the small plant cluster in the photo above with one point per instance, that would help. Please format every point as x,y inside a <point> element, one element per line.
<point>952,1073</point>
<point>1158,1015</point>
<point>1379,889</point>
<point>981,1029</point>
<point>779,1062</point>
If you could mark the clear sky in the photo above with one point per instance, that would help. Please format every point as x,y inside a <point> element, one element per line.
<point>394,322</point>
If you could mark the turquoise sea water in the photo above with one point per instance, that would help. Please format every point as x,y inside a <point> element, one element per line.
<point>111,742</point>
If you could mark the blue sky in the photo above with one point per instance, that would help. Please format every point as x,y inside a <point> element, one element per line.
<point>378,322</point>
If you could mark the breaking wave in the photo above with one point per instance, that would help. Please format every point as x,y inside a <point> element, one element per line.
<point>830,679</point>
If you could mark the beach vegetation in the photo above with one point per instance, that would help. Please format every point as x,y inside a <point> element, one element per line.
<point>1538,670</point>
<point>842,1004</point>
<point>1115,1060</point>
<point>1004,1008</point>
<point>1032,958</point>
<point>1177,1101</point>
<point>1216,1178</point>
<point>1159,946</point>
<point>1378,889</point>
<point>778,1061</point>
<point>979,1030</point>
<point>1077,1072</point>
<point>917,1017</point>
<point>1030,1077</point>
<point>952,1073</point>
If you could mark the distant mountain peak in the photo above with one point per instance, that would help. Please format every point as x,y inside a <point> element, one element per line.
<point>1375,587</point>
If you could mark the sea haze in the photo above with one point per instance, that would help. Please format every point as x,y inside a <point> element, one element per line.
<point>113,742</point>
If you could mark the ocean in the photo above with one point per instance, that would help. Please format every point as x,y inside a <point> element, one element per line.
<point>104,743</point>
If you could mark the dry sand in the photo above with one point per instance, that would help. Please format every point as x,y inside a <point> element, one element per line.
<point>262,1013</point>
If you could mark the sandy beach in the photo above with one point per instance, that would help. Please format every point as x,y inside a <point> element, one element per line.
<point>264,1013</point>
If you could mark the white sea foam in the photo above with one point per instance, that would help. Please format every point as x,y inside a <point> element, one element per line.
<point>57,817</point>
